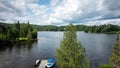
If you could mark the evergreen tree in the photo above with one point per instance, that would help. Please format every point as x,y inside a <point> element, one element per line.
<point>18,29</point>
<point>71,54</point>
<point>115,57</point>
<point>23,30</point>
<point>28,25</point>
<point>29,35</point>
<point>9,35</point>
<point>34,33</point>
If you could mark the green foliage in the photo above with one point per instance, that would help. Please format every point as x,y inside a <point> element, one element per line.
<point>115,57</point>
<point>29,35</point>
<point>104,28</point>
<point>48,28</point>
<point>71,54</point>
<point>10,35</point>
<point>93,29</point>
<point>105,66</point>
<point>22,39</point>
<point>87,29</point>
<point>80,27</point>
<point>61,28</point>
<point>15,30</point>
<point>34,33</point>
<point>12,32</point>
<point>3,30</point>
<point>2,37</point>
<point>23,30</point>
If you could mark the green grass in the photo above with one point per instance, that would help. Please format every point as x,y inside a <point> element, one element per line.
<point>22,39</point>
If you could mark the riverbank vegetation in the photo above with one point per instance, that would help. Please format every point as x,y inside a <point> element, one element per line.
<point>71,54</point>
<point>103,29</point>
<point>17,31</point>
<point>106,28</point>
<point>115,57</point>
<point>109,28</point>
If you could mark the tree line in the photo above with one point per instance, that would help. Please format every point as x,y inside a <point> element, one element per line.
<point>103,28</point>
<point>17,31</point>
<point>109,28</point>
<point>106,28</point>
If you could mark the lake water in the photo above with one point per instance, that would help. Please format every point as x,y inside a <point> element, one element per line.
<point>98,48</point>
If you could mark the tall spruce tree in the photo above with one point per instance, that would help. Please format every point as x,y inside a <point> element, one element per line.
<point>115,57</point>
<point>71,53</point>
<point>29,35</point>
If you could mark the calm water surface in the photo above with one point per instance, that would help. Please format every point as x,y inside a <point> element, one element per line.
<point>98,48</point>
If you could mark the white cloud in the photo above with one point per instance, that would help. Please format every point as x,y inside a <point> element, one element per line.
<point>61,11</point>
<point>67,10</point>
<point>54,2</point>
<point>102,22</point>
<point>37,9</point>
<point>74,9</point>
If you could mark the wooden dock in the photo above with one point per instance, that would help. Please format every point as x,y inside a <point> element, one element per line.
<point>42,64</point>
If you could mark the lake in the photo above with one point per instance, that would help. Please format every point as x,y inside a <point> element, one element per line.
<point>98,48</point>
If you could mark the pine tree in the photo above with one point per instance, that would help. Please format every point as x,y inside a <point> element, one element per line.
<point>29,35</point>
<point>23,31</point>
<point>18,29</point>
<point>34,33</point>
<point>115,57</point>
<point>71,53</point>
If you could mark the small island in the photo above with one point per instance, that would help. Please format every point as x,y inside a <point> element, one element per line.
<point>17,32</point>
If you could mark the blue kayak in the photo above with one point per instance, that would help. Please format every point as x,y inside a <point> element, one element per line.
<point>50,63</point>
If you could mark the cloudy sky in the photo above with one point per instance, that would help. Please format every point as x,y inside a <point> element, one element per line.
<point>61,12</point>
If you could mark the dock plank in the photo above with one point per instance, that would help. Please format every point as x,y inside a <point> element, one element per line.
<point>42,64</point>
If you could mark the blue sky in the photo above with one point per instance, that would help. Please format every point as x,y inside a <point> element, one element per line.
<point>60,12</point>
<point>43,2</point>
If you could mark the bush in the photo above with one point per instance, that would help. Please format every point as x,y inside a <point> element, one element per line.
<point>105,66</point>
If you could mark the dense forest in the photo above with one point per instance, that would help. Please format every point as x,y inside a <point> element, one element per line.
<point>109,28</point>
<point>17,31</point>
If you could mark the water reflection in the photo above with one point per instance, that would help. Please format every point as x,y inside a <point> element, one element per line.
<point>98,47</point>
<point>17,55</point>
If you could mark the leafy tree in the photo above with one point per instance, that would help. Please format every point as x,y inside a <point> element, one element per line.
<point>115,57</point>
<point>71,53</point>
